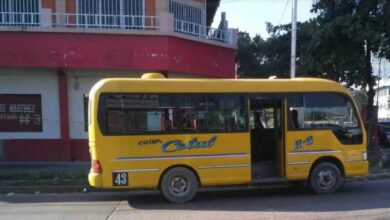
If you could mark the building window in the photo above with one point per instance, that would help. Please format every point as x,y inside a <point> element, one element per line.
<point>160,113</point>
<point>188,18</point>
<point>20,12</point>
<point>128,14</point>
<point>20,113</point>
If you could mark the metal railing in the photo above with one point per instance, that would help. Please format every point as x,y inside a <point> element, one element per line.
<point>99,21</point>
<point>202,31</point>
<point>81,20</point>
<point>105,21</point>
<point>20,19</point>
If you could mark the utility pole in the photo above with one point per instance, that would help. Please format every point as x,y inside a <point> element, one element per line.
<point>293,38</point>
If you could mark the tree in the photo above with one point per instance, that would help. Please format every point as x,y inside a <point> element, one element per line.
<point>259,58</point>
<point>337,44</point>
<point>246,59</point>
<point>347,34</point>
<point>279,48</point>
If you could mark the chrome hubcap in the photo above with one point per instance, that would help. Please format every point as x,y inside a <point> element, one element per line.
<point>179,185</point>
<point>326,178</point>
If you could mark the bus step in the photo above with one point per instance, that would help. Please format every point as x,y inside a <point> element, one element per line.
<point>264,170</point>
<point>270,180</point>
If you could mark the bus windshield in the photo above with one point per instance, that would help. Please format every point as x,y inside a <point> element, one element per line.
<point>327,111</point>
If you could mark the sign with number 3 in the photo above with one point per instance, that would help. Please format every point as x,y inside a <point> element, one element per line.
<point>120,179</point>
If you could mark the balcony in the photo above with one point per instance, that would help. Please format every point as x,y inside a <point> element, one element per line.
<point>163,24</point>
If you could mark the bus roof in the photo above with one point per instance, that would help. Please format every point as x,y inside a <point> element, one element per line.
<point>135,85</point>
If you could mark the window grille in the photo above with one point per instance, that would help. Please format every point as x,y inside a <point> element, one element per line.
<point>19,12</point>
<point>188,19</point>
<point>111,13</point>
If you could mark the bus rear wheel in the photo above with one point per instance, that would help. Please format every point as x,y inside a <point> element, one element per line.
<point>179,185</point>
<point>325,178</point>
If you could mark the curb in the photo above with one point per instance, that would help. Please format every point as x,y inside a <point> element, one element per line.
<point>9,190</point>
<point>371,176</point>
<point>11,187</point>
<point>44,186</point>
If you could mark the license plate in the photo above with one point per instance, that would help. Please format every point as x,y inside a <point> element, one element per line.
<point>120,179</point>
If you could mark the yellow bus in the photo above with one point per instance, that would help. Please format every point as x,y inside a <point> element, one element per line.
<point>177,135</point>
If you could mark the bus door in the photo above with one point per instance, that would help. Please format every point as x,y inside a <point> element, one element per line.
<point>266,129</point>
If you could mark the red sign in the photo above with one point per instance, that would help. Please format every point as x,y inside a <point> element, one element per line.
<point>20,113</point>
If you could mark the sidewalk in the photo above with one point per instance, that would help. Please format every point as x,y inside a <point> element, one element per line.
<point>373,175</point>
<point>60,177</point>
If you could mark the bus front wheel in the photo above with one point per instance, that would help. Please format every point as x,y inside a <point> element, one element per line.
<point>179,185</point>
<point>325,178</point>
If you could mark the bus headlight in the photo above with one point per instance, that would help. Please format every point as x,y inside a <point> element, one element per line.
<point>364,156</point>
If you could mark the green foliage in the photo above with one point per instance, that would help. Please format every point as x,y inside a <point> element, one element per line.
<point>337,44</point>
<point>246,58</point>
<point>357,29</point>
<point>271,57</point>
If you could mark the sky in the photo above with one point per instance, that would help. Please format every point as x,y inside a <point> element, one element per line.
<point>251,15</point>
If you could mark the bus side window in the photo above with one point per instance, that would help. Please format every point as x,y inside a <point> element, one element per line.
<point>195,124</point>
<point>186,119</point>
<point>294,119</point>
<point>167,122</point>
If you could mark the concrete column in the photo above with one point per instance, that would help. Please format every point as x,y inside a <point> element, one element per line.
<point>64,115</point>
<point>233,37</point>
<point>166,22</point>
<point>46,17</point>
<point>162,6</point>
<point>60,10</point>
<point>204,21</point>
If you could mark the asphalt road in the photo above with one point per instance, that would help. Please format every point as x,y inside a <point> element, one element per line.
<point>357,200</point>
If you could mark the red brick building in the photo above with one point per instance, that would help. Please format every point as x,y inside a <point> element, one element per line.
<point>53,51</point>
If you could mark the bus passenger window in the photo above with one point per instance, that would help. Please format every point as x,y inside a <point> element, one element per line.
<point>186,119</point>
<point>128,113</point>
<point>294,119</point>
<point>167,123</point>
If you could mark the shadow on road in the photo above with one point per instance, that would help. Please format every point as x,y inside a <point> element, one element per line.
<point>352,196</point>
<point>66,197</point>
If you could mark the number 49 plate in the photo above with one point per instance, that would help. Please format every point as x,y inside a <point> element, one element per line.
<point>120,179</point>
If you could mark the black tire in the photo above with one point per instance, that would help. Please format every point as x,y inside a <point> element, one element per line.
<point>325,178</point>
<point>179,185</point>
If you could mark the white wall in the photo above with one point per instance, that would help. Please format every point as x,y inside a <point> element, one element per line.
<point>79,83</point>
<point>382,97</point>
<point>34,81</point>
<point>45,82</point>
<point>77,87</point>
